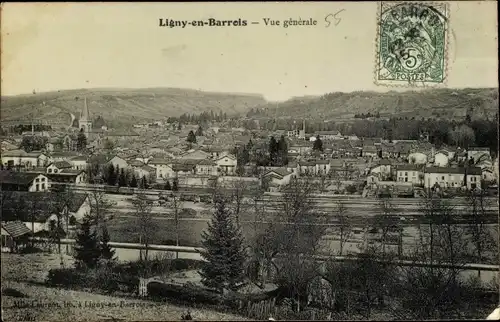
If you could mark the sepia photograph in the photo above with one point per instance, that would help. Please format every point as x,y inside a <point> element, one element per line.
<point>249,161</point>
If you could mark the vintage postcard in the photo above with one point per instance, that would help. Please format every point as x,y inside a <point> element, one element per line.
<point>249,161</point>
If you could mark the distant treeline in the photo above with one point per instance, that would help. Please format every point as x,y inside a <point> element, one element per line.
<point>480,132</point>
<point>20,128</point>
<point>199,118</point>
<point>367,115</point>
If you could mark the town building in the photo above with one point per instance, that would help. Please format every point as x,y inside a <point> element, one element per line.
<point>23,181</point>
<point>410,173</point>
<point>24,159</point>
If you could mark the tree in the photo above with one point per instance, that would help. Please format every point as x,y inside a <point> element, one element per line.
<point>33,142</point>
<point>191,138</point>
<point>144,183</point>
<point>225,255</point>
<point>146,227</point>
<point>111,175</point>
<point>296,241</point>
<point>87,250</point>
<point>282,158</point>
<point>318,144</point>
<point>100,210</point>
<point>81,141</point>
<point>273,151</point>
<point>63,200</point>
<point>175,184</point>
<point>199,131</point>
<point>344,227</point>
<point>133,181</point>
<point>384,221</point>
<point>106,252</point>
<point>477,228</point>
<point>108,144</point>
<point>122,179</point>
<point>175,204</point>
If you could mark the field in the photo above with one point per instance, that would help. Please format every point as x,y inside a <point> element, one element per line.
<point>22,276</point>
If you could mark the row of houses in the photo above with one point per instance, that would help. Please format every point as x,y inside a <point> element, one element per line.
<point>431,177</point>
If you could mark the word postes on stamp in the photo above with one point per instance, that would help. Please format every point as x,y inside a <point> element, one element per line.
<point>411,44</point>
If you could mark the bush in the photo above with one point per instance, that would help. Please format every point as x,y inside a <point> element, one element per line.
<point>67,277</point>
<point>184,293</point>
<point>13,293</point>
<point>30,250</point>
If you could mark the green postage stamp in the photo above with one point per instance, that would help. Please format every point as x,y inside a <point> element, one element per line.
<point>411,44</point>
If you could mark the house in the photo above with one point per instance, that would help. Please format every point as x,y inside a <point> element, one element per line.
<point>369,151</point>
<point>183,169</point>
<point>25,159</point>
<point>488,175</point>
<point>195,155</point>
<point>444,177</point>
<point>7,146</point>
<point>38,212</point>
<point>476,153</point>
<point>441,159</point>
<point>473,178</point>
<point>118,162</point>
<point>206,167</point>
<point>58,166</point>
<point>329,135</point>
<point>63,155</point>
<point>226,164</point>
<point>69,142</point>
<point>306,167</point>
<point>23,181</point>
<point>417,158</point>
<point>68,176</point>
<point>216,151</point>
<point>383,167</point>
<point>145,171</point>
<point>279,176</point>
<point>14,234</point>
<point>163,167</point>
<point>410,173</point>
<point>79,162</point>
<point>322,167</point>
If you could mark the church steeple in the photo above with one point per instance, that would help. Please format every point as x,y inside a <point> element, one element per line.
<point>84,122</point>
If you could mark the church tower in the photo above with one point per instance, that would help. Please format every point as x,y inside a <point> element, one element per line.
<point>84,122</point>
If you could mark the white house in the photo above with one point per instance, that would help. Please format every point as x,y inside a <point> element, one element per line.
<point>195,155</point>
<point>279,176</point>
<point>417,158</point>
<point>473,178</point>
<point>47,220</point>
<point>58,166</point>
<point>441,159</point>
<point>116,161</point>
<point>410,173</point>
<point>383,168</point>
<point>68,176</point>
<point>79,163</point>
<point>226,164</point>
<point>206,167</point>
<point>322,167</point>
<point>23,158</point>
<point>23,181</point>
<point>444,177</point>
<point>163,168</point>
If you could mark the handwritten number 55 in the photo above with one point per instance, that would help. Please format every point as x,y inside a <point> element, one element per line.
<point>333,17</point>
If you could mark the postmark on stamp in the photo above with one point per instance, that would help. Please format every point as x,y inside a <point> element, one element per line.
<point>411,44</point>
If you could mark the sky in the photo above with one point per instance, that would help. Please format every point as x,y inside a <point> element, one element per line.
<point>91,45</point>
